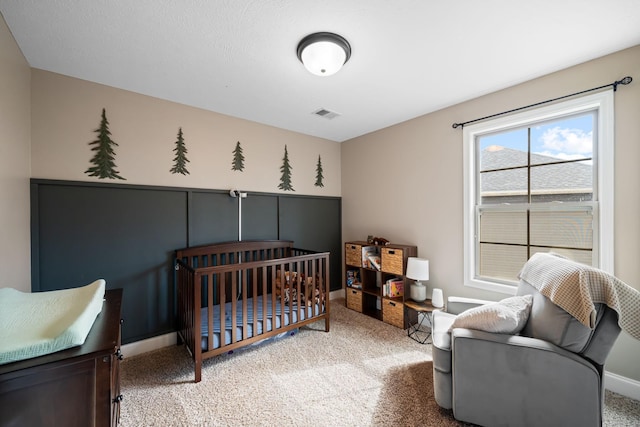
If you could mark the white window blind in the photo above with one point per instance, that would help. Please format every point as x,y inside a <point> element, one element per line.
<point>510,236</point>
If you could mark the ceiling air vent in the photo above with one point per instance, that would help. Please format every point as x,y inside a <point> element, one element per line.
<point>326,113</point>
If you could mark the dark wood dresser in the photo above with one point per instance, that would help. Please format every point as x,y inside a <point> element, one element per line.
<point>79,386</point>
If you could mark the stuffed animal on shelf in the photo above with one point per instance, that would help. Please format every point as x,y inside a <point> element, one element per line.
<point>378,241</point>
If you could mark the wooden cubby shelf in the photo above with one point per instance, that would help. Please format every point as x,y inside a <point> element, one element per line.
<point>368,269</point>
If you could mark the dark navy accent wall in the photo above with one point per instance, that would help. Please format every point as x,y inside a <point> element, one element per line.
<point>314,223</point>
<point>124,235</point>
<point>260,217</point>
<point>213,218</point>
<point>127,235</point>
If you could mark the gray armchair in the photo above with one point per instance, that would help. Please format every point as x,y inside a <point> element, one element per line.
<point>551,374</point>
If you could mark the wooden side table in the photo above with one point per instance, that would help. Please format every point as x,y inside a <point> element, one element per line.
<point>420,331</point>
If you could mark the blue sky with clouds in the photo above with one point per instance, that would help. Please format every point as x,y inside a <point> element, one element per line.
<point>567,138</point>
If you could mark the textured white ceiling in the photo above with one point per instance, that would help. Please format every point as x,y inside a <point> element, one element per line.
<point>238,57</point>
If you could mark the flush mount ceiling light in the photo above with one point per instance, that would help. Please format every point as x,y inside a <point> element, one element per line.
<point>323,54</point>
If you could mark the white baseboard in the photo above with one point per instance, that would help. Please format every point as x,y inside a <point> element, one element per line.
<point>150,344</point>
<point>622,385</point>
<point>336,294</point>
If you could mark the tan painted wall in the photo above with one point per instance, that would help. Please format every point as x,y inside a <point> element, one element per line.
<point>15,123</point>
<point>405,182</point>
<point>66,111</point>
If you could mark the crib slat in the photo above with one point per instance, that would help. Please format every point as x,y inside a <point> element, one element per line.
<point>243,294</point>
<point>222,285</point>
<point>234,307</point>
<point>210,295</point>
<point>274,293</point>
<point>254,300</point>
<point>299,278</point>
<point>283,281</point>
<point>265,293</point>
<point>315,284</point>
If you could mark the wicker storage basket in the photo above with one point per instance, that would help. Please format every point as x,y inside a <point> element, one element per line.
<point>393,313</point>
<point>354,299</point>
<point>392,260</point>
<point>353,254</point>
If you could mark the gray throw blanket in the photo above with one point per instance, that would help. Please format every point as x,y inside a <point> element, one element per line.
<point>577,287</point>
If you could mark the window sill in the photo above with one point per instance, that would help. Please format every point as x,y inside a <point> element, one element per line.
<point>491,286</point>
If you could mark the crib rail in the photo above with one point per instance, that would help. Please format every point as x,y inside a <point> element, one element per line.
<point>263,277</point>
<point>235,252</point>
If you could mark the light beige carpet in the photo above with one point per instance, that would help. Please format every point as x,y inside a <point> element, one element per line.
<point>362,373</point>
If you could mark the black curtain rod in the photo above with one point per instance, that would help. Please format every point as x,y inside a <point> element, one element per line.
<point>624,81</point>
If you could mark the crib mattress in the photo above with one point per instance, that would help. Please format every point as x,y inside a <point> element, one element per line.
<point>39,323</point>
<point>273,317</point>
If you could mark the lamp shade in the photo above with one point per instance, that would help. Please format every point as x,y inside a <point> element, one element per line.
<point>417,268</point>
<point>323,54</point>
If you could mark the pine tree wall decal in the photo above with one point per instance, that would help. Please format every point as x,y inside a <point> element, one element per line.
<point>238,159</point>
<point>180,161</point>
<point>285,179</point>
<point>103,160</point>
<point>319,177</point>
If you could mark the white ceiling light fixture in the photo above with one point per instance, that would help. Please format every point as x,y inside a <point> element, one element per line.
<point>323,54</point>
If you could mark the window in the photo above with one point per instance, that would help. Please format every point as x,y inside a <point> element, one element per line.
<point>538,181</point>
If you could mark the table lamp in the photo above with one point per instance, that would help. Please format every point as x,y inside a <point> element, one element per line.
<point>418,270</point>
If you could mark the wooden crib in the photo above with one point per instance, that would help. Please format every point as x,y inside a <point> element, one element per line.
<point>234,294</point>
